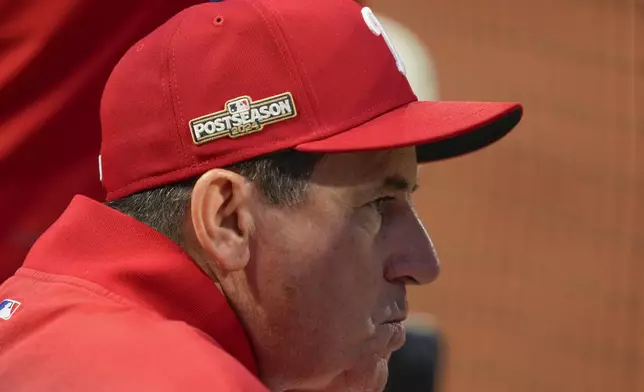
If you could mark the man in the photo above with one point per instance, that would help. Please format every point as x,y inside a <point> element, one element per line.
<point>258,159</point>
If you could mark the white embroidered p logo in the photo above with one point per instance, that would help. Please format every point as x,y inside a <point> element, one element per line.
<point>377,29</point>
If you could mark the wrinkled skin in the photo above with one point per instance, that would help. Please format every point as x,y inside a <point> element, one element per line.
<point>320,287</point>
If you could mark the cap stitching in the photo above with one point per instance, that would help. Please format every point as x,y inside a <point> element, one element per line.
<point>285,52</point>
<point>166,91</point>
<point>173,78</point>
<point>304,80</point>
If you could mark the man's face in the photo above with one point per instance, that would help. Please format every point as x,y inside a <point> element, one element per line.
<point>327,278</point>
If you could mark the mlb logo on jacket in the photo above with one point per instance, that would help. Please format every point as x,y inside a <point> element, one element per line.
<point>7,308</point>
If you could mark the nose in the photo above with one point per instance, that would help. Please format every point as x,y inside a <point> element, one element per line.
<point>413,259</point>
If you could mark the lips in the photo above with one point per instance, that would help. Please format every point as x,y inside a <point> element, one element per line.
<point>396,330</point>
<point>397,319</point>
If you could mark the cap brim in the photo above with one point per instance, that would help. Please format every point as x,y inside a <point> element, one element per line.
<point>439,129</point>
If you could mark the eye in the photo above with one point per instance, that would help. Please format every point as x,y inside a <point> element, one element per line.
<point>380,204</point>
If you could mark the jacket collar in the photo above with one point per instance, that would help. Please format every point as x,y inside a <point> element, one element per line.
<point>96,243</point>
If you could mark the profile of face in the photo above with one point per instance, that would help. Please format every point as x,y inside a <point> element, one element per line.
<point>320,287</point>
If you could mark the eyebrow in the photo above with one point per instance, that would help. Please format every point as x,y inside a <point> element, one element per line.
<point>398,183</point>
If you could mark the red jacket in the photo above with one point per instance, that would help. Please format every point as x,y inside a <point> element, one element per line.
<point>104,303</point>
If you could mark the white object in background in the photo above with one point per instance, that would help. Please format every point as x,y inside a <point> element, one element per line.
<point>420,68</point>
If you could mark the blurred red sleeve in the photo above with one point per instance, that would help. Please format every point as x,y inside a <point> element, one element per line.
<point>55,56</point>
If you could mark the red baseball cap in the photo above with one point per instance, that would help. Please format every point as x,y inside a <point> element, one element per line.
<point>227,81</point>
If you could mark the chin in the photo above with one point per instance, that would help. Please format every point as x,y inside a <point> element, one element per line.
<point>377,380</point>
<point>371,372</point>
<point>370,376</point>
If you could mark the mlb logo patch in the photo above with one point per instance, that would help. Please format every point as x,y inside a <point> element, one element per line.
<point>7,308</point>
<point>241,105</point>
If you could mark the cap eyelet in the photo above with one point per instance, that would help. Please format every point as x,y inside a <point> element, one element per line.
<point>218,21</point>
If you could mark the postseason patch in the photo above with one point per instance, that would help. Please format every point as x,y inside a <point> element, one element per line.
<point>242,117</point>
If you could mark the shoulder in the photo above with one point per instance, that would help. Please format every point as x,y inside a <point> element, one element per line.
<point>104,345</point>
<point>172,356</point>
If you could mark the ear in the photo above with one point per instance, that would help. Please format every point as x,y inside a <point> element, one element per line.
<point>221,218</point>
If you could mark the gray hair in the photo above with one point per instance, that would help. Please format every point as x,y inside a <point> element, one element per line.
<point>282,178</point>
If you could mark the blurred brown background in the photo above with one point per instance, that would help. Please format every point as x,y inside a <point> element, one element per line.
<point>542,235</point>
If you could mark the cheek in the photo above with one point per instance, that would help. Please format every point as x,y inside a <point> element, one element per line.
<point>323,267</point>
<point>369,221</point>
<point>318,283</point>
